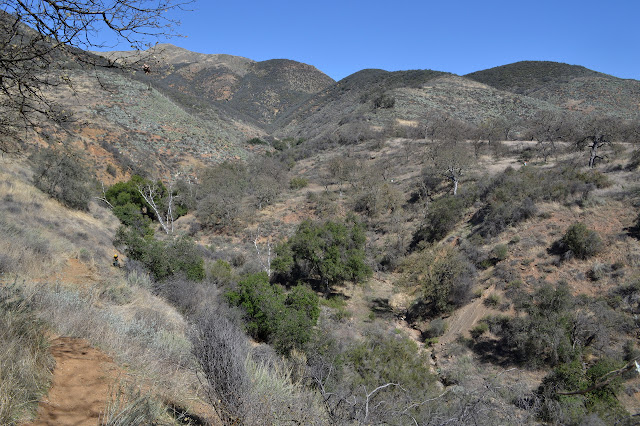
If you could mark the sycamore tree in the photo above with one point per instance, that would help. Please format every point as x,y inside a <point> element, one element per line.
<point>40,39</point>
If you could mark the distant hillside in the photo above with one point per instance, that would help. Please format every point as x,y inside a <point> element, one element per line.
<point>240,88</point>
<point>356,105</point>
<point>350,101</point>
<point>125,122</point>
<point>193,108</point>
<point>528,76</point>
<point>570,87</point>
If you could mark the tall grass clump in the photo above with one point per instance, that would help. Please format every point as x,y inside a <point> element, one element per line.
<point>25,362</point>
<point>251,386</point>
<point>129,406</point>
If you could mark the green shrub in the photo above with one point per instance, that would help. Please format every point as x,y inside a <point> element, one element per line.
<point>162,259</point>
<point>184,256</point>
<point>131,208</point>
<point>285,320</point>
<point>479,330</point>
<point>298,319</point>
<point>262,303</point>
<point>286,143</point>
<point>445,278</point>
<point>492,301</point>
<point>124,193</point>
<point>327,254</point>
<point>131,215</point>
<point>581,241</point>
<point>221,273</point>
<point>573,377</point>
<point>443,215</point>
<point>599,179</point>
<point>499,252</point>
<point>298,183</point>
<point>256,141</point>
<point>384,358</point>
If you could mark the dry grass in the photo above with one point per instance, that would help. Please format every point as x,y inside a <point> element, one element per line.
<point>39,234</point>
<point>144,333</point>
<point>25,362</point>
<point>63,260</point>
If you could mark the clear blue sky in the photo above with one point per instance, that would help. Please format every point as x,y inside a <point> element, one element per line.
<point>459,36</point>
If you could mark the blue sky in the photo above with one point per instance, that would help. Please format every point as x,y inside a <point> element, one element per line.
<point>459,36</point>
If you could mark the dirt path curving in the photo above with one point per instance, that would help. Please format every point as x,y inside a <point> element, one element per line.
<point>81,385</point>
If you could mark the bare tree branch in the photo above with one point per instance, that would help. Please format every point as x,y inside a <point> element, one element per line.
<point>39,39</point>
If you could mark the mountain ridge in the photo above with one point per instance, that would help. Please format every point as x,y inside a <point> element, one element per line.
<point>241,99</point>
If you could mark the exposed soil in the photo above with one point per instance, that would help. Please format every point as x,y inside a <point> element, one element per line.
<point>81,385</point>
<point>463,319</point>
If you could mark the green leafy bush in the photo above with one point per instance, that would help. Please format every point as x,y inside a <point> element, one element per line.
<point>162,259</point>
<point>327,253</point>
<point>443,215</point>
<point>221,273</point>
<point>573,377</point>
<point>499,252</point>
<point>479,330</point>
<point>256,141</point>
<point>298,183</point>
<point>492,301</point>
<point>445,278</point>
<point>283,319</point>
<point>131,208</point>
<point>581,241</point>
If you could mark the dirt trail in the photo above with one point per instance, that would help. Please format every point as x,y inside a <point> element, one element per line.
<point>81,384</point>
<point>465,318</point>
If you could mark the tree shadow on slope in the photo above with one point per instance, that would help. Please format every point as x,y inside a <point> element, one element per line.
<point>495,351</point>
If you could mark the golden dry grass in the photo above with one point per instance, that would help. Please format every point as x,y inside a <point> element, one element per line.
<point>61,259</point>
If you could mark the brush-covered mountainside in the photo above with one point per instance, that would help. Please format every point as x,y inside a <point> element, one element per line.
<point>242,88</point>
<point>374,101</point>
<point>570,87</point>
<point>401,248</point>
<point>237,99</point>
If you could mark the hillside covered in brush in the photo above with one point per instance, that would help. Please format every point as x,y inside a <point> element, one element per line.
<point>570,87</point>
<point>257,92</point>
<point>221,241</point>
